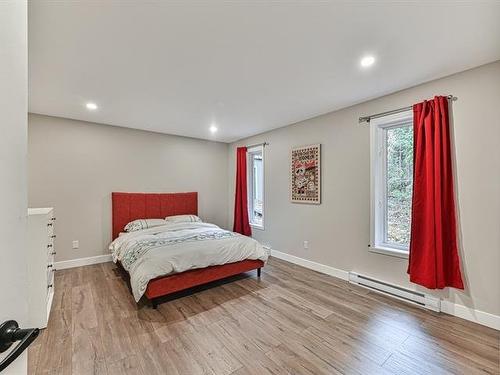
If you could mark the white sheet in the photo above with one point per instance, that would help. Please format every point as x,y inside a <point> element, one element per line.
<point>178,247</point>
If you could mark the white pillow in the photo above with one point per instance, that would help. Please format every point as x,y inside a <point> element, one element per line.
<point>183,219</point>
<point>143,224</point>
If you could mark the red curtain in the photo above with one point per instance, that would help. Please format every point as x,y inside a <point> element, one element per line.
<point>241,224</point>
<point>434,261</point>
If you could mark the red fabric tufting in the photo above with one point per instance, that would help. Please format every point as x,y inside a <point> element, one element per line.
<point>132,206</point>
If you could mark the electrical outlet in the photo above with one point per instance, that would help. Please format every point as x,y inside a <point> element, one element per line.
<point>76,244</point>
<point>306,245</point>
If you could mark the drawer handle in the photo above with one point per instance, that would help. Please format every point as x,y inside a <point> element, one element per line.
<point>50,266</point>
<point>49,245</point>
<point>49,224</point>
<point>53,253</point>
<point>53,236</point>
<point>53,219</point>
<point>49,286</point>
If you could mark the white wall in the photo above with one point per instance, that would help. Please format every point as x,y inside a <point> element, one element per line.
<point>338,229</point>
<point>13,195</point>
<point>74,166</point>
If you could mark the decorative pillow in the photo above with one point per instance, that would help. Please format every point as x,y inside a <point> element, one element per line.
<point>143,224</point>
<point>183,219</point>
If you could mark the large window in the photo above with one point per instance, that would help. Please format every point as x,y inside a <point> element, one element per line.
<point>391,183</point>
<point>256,186</point>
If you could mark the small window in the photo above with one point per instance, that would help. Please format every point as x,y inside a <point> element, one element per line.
<point>391,183</point>
<point>256,186</point>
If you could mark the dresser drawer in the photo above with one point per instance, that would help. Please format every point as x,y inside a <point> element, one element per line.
<point>50,271</point>
<point>50,281</point>
<point>41,247</point>
<point>51,258</point>
<point>51,251</point>
<point>50,247</point>
<point>50,228</point>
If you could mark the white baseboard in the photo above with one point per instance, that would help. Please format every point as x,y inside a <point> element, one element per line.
<point>335,272</point>
<point>473,315</point>
<point>460,311</point>
<point>82,262</point>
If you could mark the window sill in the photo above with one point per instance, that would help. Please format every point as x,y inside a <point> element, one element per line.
<point>257,226</point>
<point>389,251</point>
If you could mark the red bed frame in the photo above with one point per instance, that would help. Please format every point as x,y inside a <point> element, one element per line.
<point>132,206</point>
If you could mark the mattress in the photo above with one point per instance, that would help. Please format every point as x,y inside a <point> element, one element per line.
<point>177,247</point>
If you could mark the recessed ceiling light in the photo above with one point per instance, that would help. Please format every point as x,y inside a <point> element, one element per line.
<point>213,129</point>
<point>367,61</point>
<point>91,106</point>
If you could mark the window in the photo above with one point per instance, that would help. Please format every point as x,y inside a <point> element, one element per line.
<point>255,167</point>
<point>391,183</point>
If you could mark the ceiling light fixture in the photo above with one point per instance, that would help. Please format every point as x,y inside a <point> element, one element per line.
<point>213,129</point>
<point>91,106</point>
<point>367,61</point>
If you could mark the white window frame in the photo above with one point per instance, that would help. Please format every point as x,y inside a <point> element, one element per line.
<point>377,184</point>
<point>250,151</point>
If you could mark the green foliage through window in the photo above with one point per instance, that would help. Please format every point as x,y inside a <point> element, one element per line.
<point>399,143</point>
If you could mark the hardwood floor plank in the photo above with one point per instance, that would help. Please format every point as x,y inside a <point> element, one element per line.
<point>305,304</point>
<point>255,333</point>
<point>83,309</point>
<point>213,352</point>
<point>185,358</point>
<point>370,331</point>
<point>92,367</point>
<point>245,351</point>
<point>177,326</point>
<point>65,370</point>
<point>407,365</point>
<point>87,346</point>
<point>242,371</point>
<point>452,362</point>
<point>454,352</point>
<point>117,340</point>
<point>348,342</point>
<point>63,290</point>
<point>130,365</point>
<point>291,321</point>
<point>295,364</point>
<point>157,362</point>
<point>33,357</point>
<point>55,353</point>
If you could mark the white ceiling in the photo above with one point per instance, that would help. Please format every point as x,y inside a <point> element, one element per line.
<point>177,66</point>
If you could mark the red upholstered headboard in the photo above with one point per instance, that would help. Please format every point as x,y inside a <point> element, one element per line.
<point>131,206</point>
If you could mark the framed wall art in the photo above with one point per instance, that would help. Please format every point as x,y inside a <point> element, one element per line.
<point>305,179</point>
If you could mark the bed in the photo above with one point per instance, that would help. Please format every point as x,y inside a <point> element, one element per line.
<point>168,259</point>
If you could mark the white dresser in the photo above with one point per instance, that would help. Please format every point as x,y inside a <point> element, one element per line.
<point>41,251</point>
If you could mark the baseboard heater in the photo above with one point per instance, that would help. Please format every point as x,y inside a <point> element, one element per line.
<point>417,298</point>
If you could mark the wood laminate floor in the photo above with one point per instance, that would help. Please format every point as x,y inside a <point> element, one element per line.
<point>291,321</point>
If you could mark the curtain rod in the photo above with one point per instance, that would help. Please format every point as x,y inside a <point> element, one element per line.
<point>258,144</point>
<point>368,118</point>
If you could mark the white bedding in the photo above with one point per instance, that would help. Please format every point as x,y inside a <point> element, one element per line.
<point>178,247</point>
